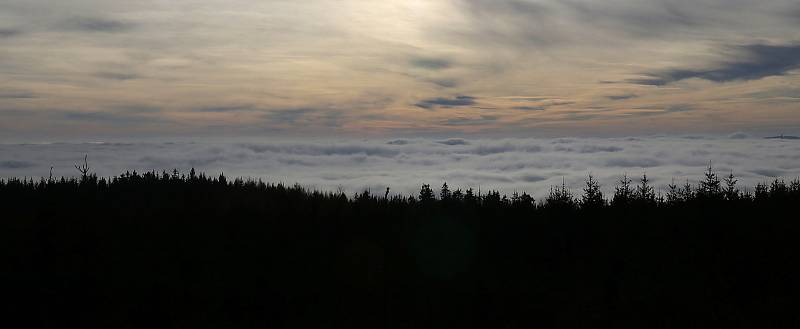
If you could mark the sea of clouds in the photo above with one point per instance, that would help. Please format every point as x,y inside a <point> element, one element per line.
<point>508,165</point>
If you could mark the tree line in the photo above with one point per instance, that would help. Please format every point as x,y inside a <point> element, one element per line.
<point>188,250</point>
<point>627,193</point>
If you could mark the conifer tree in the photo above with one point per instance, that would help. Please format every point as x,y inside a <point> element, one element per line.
<point>710,187</point>
<point>445,192</point>
<point>673,193</point>
<point>493,198</point>
<point>687,192</point>
<point>623,192</point>
<point>778,189</point>
<point>469,195</point>
<point>426,194</point>
<point>794,186</point>
<point>731,191</point>
<point>761,191</point>
<point>645,192</point>
<point>592,196</point>
<point>524,200</point>
<point>457,195</point>
<point>560,197</point>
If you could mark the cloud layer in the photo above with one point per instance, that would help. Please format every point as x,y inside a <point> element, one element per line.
<point>531,165</point>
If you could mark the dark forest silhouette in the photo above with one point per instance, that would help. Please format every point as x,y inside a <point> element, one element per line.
<point>172,250</point>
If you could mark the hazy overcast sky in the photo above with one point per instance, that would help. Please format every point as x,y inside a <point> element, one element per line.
<point>127,69</point>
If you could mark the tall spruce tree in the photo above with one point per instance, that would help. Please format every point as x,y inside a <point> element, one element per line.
<point>644,192</point>
<point>673,193</point>
<point>622,192</point>
<point>731,191</point>
<point>444,194</point>
<point>426,194</point>
<point>592,196</point>
<point>710,186</point>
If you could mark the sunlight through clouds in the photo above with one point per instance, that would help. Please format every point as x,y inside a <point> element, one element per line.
<point>388,67</point>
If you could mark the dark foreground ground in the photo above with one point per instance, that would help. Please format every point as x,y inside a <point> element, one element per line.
<point>170,252</point>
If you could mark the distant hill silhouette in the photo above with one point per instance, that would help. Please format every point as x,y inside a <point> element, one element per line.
<point>173,250</point>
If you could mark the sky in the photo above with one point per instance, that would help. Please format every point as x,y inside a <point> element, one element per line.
<point>87,70</point>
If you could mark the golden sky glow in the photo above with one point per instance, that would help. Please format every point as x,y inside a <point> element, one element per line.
<point>85,68</point>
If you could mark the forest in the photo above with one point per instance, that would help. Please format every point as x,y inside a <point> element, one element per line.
<point>187,250</point>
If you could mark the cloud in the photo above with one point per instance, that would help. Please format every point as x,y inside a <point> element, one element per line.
<point>140,109</point>
<point>739,135</point>
<point>528,99</point>
<point>588,148</point>
<point>13,164</point>
<point>290,55</point>
<point>622,97</point>
<point>95,24</point>
<point>16,95</point>
<point>661,109</point>
<point>223,109</point>
<point>509,165</point>
<point>9,33</point>
<point>769,172</point>
<point>531,178</point>
<point>633,162</point>
<point>289,116</point>
<point>498,148</point>
<point>462,121</point>
<point>122,119</point>
<point>549,24</point>
<point>398,142</point>
<point>679,108</point>
<point>454,141</point>
<point>446,83</point>
<point>648,19</point>
<point>322,149</point>
<point>538,103</point>
<point>333,118</point>
<point>516,22</point>
<point>530,108</point>
<point>757,61</point>
<point>600,148</point>
<point>117,76</point>
<point>446,102</point>
<point>431,63</point>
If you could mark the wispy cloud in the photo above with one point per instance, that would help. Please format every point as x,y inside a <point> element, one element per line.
<point>8,33</point>
<point>756,62</point>
<point>453,141</point>
<point>446,83</point>
<point>16,95</point>
<point>291,116</point>
<point>224,108</point>
<point>530,108</point>
<point>117,76</point>
<point>679,108</point>
<point>431,63</point>
<point>447,102</point>
<point>622,97</point>
<point>120,119</point>
<point>465,121</point>
<point>14,164</point>
<point>95,24</point>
